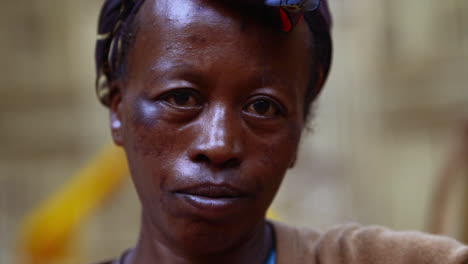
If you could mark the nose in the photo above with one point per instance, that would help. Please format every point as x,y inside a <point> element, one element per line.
<point>218,141</point>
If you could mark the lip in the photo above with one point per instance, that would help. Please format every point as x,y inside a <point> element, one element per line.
<point>212,200</point>
<point>213,191</point>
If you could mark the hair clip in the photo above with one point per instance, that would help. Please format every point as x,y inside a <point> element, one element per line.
<point>291,12</point>
<point>295,5</point>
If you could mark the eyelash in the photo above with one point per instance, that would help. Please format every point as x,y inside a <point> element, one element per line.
<point>191,93</point>
<point>185,91</point>
<point>278,106</point>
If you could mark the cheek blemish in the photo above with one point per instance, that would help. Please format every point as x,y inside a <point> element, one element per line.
<point>143,130</point>
<point>197,40</point>
<point>146,113</point>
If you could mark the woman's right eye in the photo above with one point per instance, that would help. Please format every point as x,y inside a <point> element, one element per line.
<point>183,98</point>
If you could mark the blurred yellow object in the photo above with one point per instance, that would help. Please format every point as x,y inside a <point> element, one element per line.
<point>46,234</point>
<point>49,232</point>
<point>273,215</point>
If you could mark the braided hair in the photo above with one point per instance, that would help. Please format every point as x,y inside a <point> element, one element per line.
<point>115,34</point>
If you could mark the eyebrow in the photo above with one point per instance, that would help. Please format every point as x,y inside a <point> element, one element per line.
<point>162,71</point>
<point>190,72</point>
<point>270,77</point>
<point>182,66</point>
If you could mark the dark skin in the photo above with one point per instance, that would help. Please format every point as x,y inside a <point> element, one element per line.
<point>210,114</point>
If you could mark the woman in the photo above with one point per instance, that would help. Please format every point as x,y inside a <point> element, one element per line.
<point>209,99</point>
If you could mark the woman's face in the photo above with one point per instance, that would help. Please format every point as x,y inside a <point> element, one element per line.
<point>210,116</point>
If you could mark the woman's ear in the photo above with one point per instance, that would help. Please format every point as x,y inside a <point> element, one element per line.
<point>115,108</point>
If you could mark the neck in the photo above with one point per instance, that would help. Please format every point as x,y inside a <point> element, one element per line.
<point>153,248</point>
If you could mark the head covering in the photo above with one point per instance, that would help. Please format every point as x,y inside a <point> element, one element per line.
<point>116,17</point>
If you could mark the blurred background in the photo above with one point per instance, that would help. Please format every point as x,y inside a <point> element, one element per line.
<point>382,137</point>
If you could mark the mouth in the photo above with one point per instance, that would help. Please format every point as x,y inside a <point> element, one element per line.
<point>212,200</point>
<point>213,191</point>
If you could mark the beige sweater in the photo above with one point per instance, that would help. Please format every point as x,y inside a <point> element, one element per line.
<point>354,244</point>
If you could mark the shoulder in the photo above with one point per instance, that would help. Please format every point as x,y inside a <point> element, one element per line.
<point>353,243</point>
<point>382,245</point>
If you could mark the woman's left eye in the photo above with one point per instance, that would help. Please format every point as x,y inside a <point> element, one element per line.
<point>263,108</point>
<point>183,98</point>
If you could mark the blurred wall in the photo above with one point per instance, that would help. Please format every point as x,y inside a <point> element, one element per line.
<point>398,87</point>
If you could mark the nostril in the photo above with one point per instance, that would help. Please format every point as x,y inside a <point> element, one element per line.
<point>230,163</point>
<point>202,158</point>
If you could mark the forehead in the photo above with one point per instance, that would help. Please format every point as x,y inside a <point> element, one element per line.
<point>201,31</point>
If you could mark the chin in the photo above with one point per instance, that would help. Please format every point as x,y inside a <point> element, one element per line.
<point>202,237</point>
<point>206,227</point>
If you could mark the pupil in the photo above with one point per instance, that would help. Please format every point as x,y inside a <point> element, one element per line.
<point>261,107</point>
<point>181,98</point>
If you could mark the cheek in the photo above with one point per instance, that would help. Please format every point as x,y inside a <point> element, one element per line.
<point>142,130</point>
<point>273,156</point>
<point>149,145</point>
<point>280,150</point>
